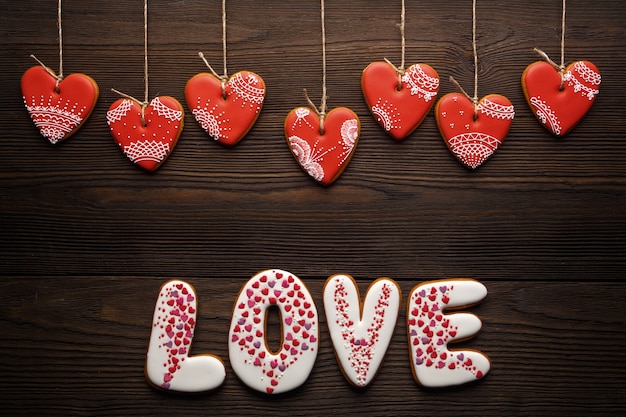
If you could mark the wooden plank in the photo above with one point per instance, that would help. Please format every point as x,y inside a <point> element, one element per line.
<point>87,239</point>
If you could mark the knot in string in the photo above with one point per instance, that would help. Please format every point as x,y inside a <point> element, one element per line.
<point>223,78</point>
<point>58,78</point>
<point>143,104</point>
<point>399,71</point>
<point>474,99</point>
<point>321,112</point>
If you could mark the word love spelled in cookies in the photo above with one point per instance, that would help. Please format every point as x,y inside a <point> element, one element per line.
<point>360,331</point>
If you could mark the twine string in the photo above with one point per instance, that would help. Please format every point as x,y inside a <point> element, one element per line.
<point>321,112</point>
<point>145,103</point>
<point>60,26</point>
<point>400,70</point>
<point>473,99</point>
<point>223,78</point>
<point>559,67</point>
<point>58,77</point>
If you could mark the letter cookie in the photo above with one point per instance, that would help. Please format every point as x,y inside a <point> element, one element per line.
<point>168,364</point>
<point>430,330</point>
<point>361,332</point>
<point>252,361</point>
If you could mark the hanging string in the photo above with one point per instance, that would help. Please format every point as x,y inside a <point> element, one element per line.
<point>223,78</point>
<point>400,69</point>
<point>322,110</point>
<point>57,77</point>
<point>473,99</point>
<point>145,103</point>
<point>560,68</point>
<point>59,24</point>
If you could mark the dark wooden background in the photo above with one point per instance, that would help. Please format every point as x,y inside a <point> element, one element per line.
<point>87,238</point>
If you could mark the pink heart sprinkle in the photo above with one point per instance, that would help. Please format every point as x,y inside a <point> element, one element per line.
<point>274,364</point>
<point>257,344</point>
<point>184,317</point>
<point>249,292</point>
<point>271,284</point>
<point>250,303</point>
<point>180,301</point>
<point>257,362</point>
<point>175,312</point>
<point>277,293</point>
<point>285,284</point>
<point>294,351</point>
<point>165,385</point>
<point>167,377</point>
<point>289,336</point>
<point>440,342</point>
<point>182,351</point>
<point>248,327</point>
<point>288,321</point>
<point>170,334</point>
<point>189,333</point>
<point>234,338</point>
<point>190,298</point>
<point>313,339</point>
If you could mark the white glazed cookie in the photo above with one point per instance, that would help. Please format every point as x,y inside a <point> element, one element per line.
<point>361,332</point>
<point>168,364</point>
<point>430,330</point>
<point>252,361</point>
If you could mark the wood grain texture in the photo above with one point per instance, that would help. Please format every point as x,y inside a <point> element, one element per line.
<point>87,238</point>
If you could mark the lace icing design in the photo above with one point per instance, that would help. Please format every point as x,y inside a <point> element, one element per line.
<point>118,113</point>
<point>165,111</point>
<point>308,157</point>
<point>54,121</point>
<point>153,151</point>
<point>349,136</point>
<point>587,75</point>
<point>546,115</point>
<point>473,148</point>
<point>386,114</point>
<point>420,83</point>
<point>212,122</point>
<point>495,110</point>
<point>246,89</point>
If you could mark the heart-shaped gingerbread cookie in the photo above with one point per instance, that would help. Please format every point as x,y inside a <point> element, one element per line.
<point>226,114</point>
<point>323,155</point>
<point>472,140</point>
<point>399,111</point>
<point>146,141</point>
<point>560,109</point>
<point>58,113</point>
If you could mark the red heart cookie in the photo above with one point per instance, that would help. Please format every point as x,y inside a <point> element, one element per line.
<point>473,141</point>
<point>322,156</point>
<point>560,110</point>
<point>227,115</point>
<point>399,111</point>
<point>146,145</point>
<point>58,114</point>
